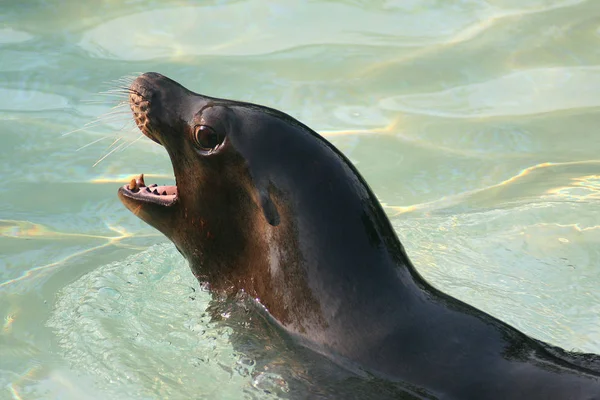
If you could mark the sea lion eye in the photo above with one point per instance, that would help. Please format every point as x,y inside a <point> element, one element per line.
<point>208,138</point>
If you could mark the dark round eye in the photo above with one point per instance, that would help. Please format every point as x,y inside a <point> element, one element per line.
<point>208,138</point>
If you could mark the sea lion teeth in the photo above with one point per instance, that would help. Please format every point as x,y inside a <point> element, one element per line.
<point>133,185</point>
<point>155,191</point>
<point>148,190</point>
<point>140,181</point>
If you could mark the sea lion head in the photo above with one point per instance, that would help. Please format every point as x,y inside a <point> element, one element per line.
<point>226,158</point>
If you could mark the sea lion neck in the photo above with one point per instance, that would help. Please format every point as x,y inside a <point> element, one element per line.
<point>332,238</point>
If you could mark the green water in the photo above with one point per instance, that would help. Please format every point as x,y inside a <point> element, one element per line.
<point>475,122</point>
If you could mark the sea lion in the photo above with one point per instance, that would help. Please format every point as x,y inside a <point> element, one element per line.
<point>265,205</point>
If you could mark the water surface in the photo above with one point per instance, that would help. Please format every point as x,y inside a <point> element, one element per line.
<point>475,123</point>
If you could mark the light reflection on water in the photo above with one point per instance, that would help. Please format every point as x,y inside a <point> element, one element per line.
<point>474,122</point>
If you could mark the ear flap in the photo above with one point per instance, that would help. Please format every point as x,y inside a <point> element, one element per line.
<point>269,209</point>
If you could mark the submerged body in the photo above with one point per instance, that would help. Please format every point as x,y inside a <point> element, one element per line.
<point>266,205</point>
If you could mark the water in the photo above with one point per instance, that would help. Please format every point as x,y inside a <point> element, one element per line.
<point>476,124</point>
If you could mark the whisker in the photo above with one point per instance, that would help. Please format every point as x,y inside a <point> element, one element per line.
<point>94,142</point>
<point>118,95</point>
<point>124,126</point>
<point>133,77</point>
<point>85,127</point>
<point>124,104</point>
<point>108,154</point>
<point>133,141</point>
<point>118,89</point>
<point>109,118</point>
<point>107,101</point>
<point>115,141</point>
<point>95,122</point>
<point>114,116</point>
<point>125,80</point>
<point>119,107</point>
<point>73,131</point>
<point>113,113</point>
<point>121,94</point>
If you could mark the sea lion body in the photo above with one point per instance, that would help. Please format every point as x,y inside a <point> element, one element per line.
<point>265,205</point>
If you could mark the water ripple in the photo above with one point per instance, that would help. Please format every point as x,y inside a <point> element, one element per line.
<point>9,35</point>
<point>30,100</point>
<point>532,91</point>
<point>274,27</point>
<point>121,324</point>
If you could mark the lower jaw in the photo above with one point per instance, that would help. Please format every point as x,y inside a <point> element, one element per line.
<point>155,205</point>
<point>164,195</point>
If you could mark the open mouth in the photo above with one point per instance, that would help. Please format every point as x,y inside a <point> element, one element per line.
<point>136,189</point>
<point>161,195</point>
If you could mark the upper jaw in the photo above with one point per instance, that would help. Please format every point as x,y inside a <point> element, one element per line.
<point>158,104</point>
<point>139,102</point>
